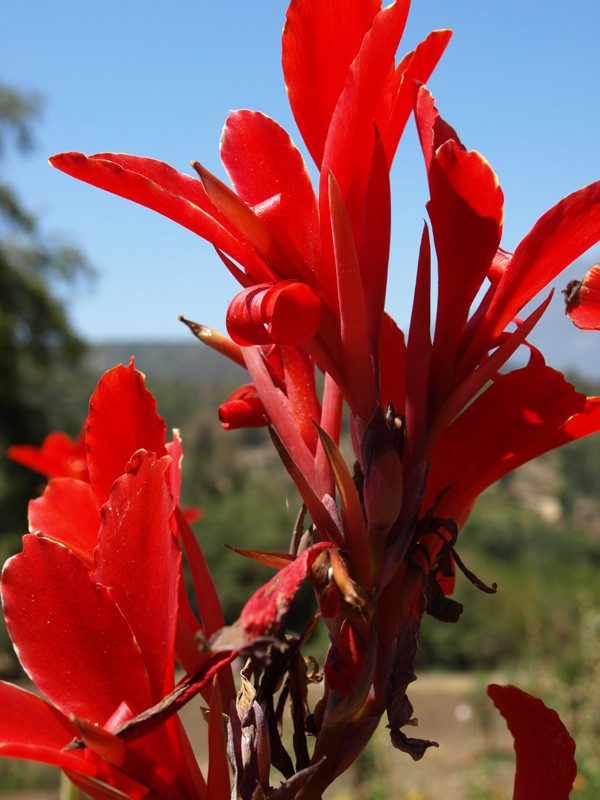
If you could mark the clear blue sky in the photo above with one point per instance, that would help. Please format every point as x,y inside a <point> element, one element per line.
<point>520,82</point>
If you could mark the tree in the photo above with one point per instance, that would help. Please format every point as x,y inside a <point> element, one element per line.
<point>36,337</point>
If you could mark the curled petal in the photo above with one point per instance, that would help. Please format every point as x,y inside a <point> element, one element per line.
<point>243,409</point>
<point>287,312</point>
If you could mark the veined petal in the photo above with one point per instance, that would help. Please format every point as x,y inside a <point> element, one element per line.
<point>71,637</point>
<point>122,420</point>
<point>583,300</point>
<point>317,53</point>
<point>138,560</point>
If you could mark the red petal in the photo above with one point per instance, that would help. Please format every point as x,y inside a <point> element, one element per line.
<point>418,354</point>
<point>583,301</point>
<point>31,729</point>
<point>374,247</point>
<point>122,420</point>
<point>67,512</point>
<point>546,767</point>
<point>356,353</point>
<point>355,529</point>
<point>243,221</point>
<point>29,724</point>
<point>466,211</point>
<point>265,610</point>
<point>351,136</point>
<point>317,53</point>
<point>161,188</point>
<point>207,598</point>
<point>497,433</point>
<point>346,660</point>
<point>263,165</point>
<point>558,238</point>
<point>58,457</point>
<point>414,68</point>
<point>71,638</point>
<point>243,409</point>
<point>138,560</point>
<point>287,312</point>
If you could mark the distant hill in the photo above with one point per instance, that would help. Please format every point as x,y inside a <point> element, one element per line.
<point>174,361</point>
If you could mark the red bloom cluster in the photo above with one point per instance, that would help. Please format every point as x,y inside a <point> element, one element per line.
<point>95,605</point>
<point>433,419</point>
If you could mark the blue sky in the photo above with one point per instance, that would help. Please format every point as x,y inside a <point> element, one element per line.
<point>520,82</point>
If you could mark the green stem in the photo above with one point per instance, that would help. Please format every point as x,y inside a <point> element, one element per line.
<point>68,790</point>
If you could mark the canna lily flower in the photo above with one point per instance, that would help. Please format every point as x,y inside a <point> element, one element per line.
<point>97,638</point>
<point>311,268</point>
<point>97,609</point>
<point>58,457</point>
<point>433,419</point>
<point>122,420</point>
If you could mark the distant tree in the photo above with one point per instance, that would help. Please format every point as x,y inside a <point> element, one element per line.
<point>36,338</point>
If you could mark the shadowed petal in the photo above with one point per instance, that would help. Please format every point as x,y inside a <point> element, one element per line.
<point>546,767</point>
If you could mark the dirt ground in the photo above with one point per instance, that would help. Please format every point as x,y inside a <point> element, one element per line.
<point>475,758</point>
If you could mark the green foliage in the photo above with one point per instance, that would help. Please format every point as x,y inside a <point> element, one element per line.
<point>35,335</point>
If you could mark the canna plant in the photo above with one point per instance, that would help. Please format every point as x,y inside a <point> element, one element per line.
<point>436,415</point>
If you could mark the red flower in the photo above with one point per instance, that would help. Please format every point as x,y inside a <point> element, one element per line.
<point>97,638</point>
<point>313,271</point>
<point>58,457</point>
<point>97,609</point>
<point>433,420</point>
